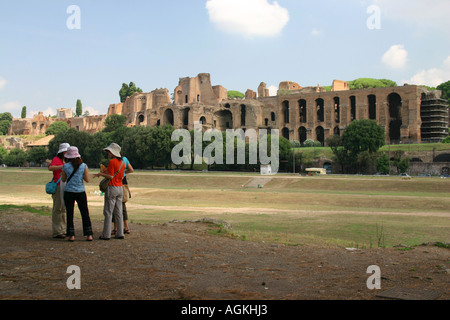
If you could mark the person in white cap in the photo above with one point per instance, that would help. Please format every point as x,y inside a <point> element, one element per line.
<point>58,210</point>
<point>74,172</point>
<point>114,194</point>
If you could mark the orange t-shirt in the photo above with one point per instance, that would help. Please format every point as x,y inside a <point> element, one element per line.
<point>113,166</point>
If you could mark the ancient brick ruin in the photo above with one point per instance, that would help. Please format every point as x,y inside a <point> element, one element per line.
<point>408,113</point>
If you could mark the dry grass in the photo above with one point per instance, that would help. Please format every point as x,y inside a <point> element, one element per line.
<point>358,211</point>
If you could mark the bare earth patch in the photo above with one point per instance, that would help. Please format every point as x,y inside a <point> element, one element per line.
<point>178,261</point>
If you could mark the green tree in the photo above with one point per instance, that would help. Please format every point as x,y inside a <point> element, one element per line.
<point>400,162</point>
<point>365,83</point>
<point>363,135</point>
<point>16,158</point>
<point>235,94</point>
<point>56,128</point>
<point>382,164</point>
<point>6,116</point>
<point>3,154</point>
<point>114,121</point>
<point>445,88</point>
<point>4,126</point>
<point>80,139</point>
<point>79,108</point>
<point>127,90</point>
<point>24,112</point>
<point>37,155</point>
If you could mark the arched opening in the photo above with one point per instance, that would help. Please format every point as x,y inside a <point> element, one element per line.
<point>168,117</point>
<point>337,110</point>
<point>372,100</point>
<point>337,131</point>
<point>141,119</point>
<point>320,135</point>
<point>285,111</point>
<point>285,133</point>
<point>186,116</point>
<point>302,135</point>
<point>395,105</point>
<point>272,116</point>
<point>320,110</point>
<point>302,110</point>
<point>224,120</point>
<point>243,114</point>
<point>352,108</point>
<point>266,122</point>
<point>202,120</point>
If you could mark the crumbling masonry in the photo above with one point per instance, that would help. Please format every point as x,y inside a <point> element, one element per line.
<point>408,114</point>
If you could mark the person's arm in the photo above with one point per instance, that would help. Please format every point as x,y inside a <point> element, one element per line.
<point>86,175</point>
<point>63,176</point>
<point>129,169</point>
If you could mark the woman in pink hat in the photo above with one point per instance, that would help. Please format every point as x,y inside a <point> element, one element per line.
<point>74,172</point>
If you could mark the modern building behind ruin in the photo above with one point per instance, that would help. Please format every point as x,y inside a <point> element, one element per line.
<point>409,113</point>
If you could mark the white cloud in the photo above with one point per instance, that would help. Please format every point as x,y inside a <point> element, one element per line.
<point>316,32</point>
<point>13,107</point>
<point>47,112</point>
<point>248,17</point>
<point>273,90</point>
<point>423,14</point>
<point>395,57</point>
<point>432,77</point>
<point>92,111</point>
<point>3,83</point>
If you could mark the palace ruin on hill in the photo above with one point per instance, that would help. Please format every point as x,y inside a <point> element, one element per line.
<point>408,113</point>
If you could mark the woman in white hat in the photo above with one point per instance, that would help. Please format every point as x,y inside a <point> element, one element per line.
<point>74,172</point>
<point>114,194</point>
<point>58,210</point>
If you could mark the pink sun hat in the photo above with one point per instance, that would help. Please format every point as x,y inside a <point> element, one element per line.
<point>72,153</point>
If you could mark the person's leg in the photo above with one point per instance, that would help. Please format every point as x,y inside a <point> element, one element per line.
<point>84,210</point>
<point>125,218</point>
<point>108,209</point>
<point>58,215</point>
<point>70,204</point>
<point>118,214</point>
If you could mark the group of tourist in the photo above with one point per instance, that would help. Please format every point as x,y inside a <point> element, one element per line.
<point>69,169</point>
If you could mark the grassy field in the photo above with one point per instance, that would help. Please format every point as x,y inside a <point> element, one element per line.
<point>334,210</point>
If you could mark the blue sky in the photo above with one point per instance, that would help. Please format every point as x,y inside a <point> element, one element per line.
<point>46,65</point>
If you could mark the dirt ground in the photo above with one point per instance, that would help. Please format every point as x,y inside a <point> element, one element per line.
<point>184,260</point>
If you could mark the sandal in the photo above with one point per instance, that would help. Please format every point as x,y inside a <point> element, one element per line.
<point>126,231</point>
<point>72,239</point>
<point>89,238</point>
<point>113,232</point>
<point>60,236</point>
<point>103,238</point>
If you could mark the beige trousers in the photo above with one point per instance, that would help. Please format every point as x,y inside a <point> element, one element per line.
<point>58,214</point>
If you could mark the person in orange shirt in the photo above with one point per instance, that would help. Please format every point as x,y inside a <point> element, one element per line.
<point>114,194</point>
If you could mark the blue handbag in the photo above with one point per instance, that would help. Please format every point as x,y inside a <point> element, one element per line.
<point>50,187</point>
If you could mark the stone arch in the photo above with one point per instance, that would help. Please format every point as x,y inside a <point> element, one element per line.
<point>320,135</point>
<point>302,110</point>
<point>224,120</point>
<point>337,109</point>
<point>285,133</point>
<point>168,117</point>
<point>140,119</point>
<point>320,110</point>
<point>337,131</point>
<point>285,111</point>
<point>186,116</point>
<point>202,120</point>
<point>302,134</point>
<point>395,115</point>
<point>372,102</point>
